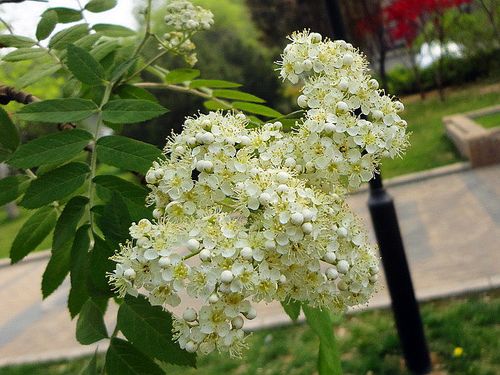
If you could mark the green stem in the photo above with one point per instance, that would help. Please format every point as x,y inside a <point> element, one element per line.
<point>187,90</point>
<point>329,354</point>
<point>93,158</point>
<point>7,26</point>
<point>147,33</point>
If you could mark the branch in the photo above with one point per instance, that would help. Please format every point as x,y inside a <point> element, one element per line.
<point>9,93</point>
<point>187,90</point>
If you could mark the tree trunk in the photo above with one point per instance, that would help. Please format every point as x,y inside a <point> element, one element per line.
<point>416,70</point>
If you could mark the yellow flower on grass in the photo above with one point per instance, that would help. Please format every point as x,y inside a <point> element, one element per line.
<point>458,352</point>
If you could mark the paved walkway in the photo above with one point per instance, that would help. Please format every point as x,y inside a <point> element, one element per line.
<point>450,225</point>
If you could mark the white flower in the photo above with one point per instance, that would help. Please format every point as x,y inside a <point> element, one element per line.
<point>259,214</point>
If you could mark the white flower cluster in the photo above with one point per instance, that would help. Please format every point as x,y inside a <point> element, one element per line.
<point>349,123</point>
<point>247,215</point>
<point>185,19</point>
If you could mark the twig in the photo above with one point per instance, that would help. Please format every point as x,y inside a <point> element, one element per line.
<point>9,93</point>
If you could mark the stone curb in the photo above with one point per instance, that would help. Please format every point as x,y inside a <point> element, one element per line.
<point>422,176</point>
<point>39,255</point>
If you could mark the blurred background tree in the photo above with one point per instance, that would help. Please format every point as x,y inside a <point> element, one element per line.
<point>231,50</point>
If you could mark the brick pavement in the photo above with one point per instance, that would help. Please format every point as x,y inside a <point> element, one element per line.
<point>450,225</point>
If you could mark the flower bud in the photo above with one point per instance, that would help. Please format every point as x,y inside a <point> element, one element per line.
<point>282,176</point>
<point>308,214</point>
<point>245,140</point>
<point>373,84</point>
<point>398,106</point>
<point>205,255</point>
<point>377,114</point>
<point>342,285</point>
<point>251,314</point>
<point>302,101</point>
<point>237,322</point>
<point>214,298</point>
<point>342,107</point>
<point>226,276</point>
<point>129,274</point>
<point>265,198</point>
<point>191,347</point>
<point>343,84</point>
<point>189,315</point>
<point>329,127</point>
<point>193,244</point>
<point>343,266</point>
<point>164,262</point>
<point>307,228</point>
<point>342,232</point>
<point>297,218</point>
<point>330,257</point>
<point>347,59</point>
<point>246,253</point>
<point>331,273</point>
<point>315,37</point>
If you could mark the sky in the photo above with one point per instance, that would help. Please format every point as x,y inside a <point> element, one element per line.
<point>23,17</point>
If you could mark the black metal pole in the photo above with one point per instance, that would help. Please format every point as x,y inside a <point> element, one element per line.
<point>397,273</point>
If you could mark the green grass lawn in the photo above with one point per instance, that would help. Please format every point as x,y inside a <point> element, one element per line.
<point>489,121</point>
<point>430,147</point>
<point>9,229</point>
<point>368,342</point>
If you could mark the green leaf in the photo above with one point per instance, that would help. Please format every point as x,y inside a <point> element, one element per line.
<point>64,234</point>
<point>58,110</point>
<point>17,41</point>
<point>46,24</point>
<point>67,36</point>
<point>213,105</point>
<point>97,6</point>
<point>292,309</point>
<point>102,50</point>
<point>91,368</point>
<point>132,194</point>
<point>33,232</point>
<point>9,135</point>
<point>99,266</point>
<point>115,31</point>
<point>122,69</point>
<point>122,358</point>
<point>258,109</point>
<point>90,326</point>
<point>329,356</point>
<point>79,267</point>
<point>213,83</point>
<point>66,15</point>
<point>115,221</point>
<point>127,91</point>
<point>84,67</point>
<point>36,74</point>
<point>126,153</point>
<point>150,329</point>
<point>181,75</point>
<point>53,148</point>
<point>55,185</point>
<point>22,54</point>
<point>236,95</point>
<point>129,111</point>
<point>87,42</point>
<point>12,187</point>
